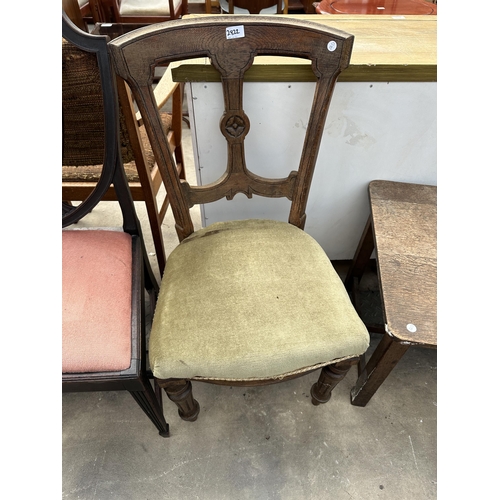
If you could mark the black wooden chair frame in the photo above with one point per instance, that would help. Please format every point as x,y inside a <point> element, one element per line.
<point>136,378</point>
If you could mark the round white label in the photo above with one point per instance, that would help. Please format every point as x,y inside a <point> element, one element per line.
<point>411,327</point>
<point>332,46</point>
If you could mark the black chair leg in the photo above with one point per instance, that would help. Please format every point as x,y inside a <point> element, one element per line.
<point>152,407</point>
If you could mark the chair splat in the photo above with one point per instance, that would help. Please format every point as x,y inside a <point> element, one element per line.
<point>135,57</point>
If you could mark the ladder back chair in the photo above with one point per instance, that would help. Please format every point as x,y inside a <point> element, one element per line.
<point>105,272</point>
<point>244,302</point>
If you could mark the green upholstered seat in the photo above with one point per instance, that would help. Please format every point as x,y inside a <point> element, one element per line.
<point>251,299</point>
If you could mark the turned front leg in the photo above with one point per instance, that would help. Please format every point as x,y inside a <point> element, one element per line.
<point>181,393</point>
<point>329,377</point>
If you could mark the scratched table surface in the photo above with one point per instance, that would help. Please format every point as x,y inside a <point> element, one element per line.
<point>404,226</point>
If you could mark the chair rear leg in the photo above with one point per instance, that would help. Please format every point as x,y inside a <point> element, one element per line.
<point>152,407</point>
<point>181,393</point>
<point>329,377</point>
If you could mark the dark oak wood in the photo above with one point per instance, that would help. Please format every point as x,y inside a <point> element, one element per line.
<point>134,379</point>
<point>402,230</point>
<point>377,369</point>
<point>135,56</point>
<point>330,376</point>
<point>181,393</point>
<point>361,257</point>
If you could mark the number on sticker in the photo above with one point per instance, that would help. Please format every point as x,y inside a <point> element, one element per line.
<point>235,32</point>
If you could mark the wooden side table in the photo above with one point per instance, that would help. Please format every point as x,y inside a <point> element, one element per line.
<point>402,230</point>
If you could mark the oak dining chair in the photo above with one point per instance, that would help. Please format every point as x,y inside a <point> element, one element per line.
<point>244,302</point>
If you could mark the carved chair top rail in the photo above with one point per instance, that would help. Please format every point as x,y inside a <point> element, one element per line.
<point>232,44</point>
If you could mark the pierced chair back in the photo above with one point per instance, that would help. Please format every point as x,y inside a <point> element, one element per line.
<point>136,54</point>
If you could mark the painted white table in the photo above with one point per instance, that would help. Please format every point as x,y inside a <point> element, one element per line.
<point>381,125</point>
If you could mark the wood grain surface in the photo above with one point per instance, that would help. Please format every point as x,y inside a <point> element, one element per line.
<point>405,225</point>
<point>386,48</point>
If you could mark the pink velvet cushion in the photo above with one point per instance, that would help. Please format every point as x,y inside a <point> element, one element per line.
<point>96,300</point>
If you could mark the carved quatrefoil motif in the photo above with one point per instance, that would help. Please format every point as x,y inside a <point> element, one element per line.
<point>235,126</point>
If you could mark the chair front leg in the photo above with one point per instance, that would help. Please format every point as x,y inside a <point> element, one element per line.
<point>181,393</point>
<point>329,377</point>
<point>152,406</point>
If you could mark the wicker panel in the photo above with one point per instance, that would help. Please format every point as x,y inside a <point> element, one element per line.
<point>83,122</point>
<point>83,114</point>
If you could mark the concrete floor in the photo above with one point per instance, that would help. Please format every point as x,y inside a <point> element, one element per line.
<point>255,443</point>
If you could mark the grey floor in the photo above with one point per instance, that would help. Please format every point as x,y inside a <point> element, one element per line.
<point>255,443</point>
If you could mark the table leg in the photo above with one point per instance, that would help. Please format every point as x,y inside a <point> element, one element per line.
<point>361,256</point>
<point>382,361</point>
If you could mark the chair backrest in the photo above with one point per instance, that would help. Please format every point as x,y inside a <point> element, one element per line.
<point>104,109</point>
<point>255,6</point>
<point>136,54</point>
